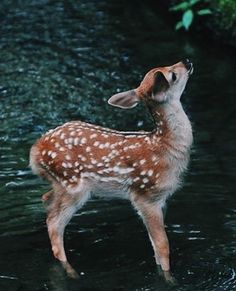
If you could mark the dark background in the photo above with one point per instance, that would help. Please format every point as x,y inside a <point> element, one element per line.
<point>61,61</point>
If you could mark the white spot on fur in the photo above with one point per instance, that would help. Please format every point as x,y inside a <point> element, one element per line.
<point>64,183</point>
<point>145,180</point>
<point>70,140</point>
<point>53,155</point>
<point>64,165</point>
<point>76,141</point>
<point>120,170</point>
<point>150,173</point>
<point>102,179</point>
<point>83,140</point>
<point>154,158</point>
<point>67,157</point>
<point>113,145</point>
<point>69,165</point>
<point>142,186</point>
<point>93,135</point>
<point>132,146</point>
<point>88,149</point>
<point>142,161</point>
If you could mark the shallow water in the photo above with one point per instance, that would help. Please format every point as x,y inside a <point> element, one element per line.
<point>60,61</point>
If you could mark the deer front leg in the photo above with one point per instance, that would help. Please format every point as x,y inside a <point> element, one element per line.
<point>153,219</point>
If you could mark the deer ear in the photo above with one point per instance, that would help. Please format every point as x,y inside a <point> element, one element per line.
<point>160,86</point>
<point>125,100</point>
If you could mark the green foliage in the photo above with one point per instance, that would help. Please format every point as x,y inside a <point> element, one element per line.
<point>227,10</point>
<point>189,9</point>
<point>187,18</point>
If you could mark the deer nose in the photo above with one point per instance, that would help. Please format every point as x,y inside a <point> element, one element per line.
<point>188,64</point>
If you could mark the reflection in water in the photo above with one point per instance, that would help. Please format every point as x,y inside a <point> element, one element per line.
<point>60,61</point>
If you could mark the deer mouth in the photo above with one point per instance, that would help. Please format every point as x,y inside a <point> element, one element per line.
<point>188,65</point>
<point>190,70</point>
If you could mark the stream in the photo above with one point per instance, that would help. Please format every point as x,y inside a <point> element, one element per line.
<point>60,61</point>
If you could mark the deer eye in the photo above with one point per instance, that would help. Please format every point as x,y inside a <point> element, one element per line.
<point>174,77</point>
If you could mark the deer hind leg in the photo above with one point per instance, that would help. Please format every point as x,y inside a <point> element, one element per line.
<point>60,209</point>
<point>152,216</point>
<point>46,197</point>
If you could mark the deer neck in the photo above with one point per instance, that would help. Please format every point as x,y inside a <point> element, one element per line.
<point>172,123</point>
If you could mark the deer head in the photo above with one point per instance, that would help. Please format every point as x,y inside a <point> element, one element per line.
<point>161,85</point>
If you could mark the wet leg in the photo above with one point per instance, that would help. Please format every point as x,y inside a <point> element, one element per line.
<point>153,219</point>
<point>60,211</point>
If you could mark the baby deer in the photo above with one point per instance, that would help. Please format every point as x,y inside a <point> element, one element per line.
<point>80,158</point>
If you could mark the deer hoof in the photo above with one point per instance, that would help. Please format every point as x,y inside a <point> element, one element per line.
<point>71,273</point>
<point>170,280</point>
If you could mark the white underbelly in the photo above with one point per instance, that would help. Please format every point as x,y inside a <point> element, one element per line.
<point>109,190</point>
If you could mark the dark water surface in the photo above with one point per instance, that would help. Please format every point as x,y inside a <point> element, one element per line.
<point>60,61</point>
